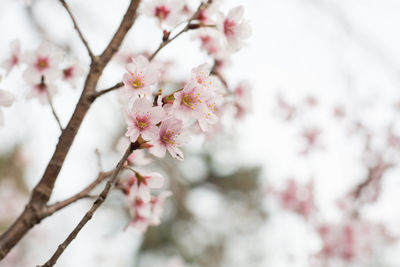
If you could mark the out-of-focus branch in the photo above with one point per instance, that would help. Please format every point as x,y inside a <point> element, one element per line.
<point>98,202</point>
<point>34,210</point>
<point>78,29</point>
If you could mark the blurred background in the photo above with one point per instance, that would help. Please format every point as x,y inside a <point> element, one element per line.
<point>308,178</point>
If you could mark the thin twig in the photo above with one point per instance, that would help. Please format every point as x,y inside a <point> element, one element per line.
<point>82,194</point>
<point>78,30</point>
<point>105,91</point>
<point>188,26</point>
<point>52,109</point>
<point>96,204</point>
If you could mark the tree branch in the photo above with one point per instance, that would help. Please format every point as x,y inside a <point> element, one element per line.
<point>78,30</point>
<point>96,204</point>
<point>105,91</point>
<point>82,194</point>
<point>34,210</point>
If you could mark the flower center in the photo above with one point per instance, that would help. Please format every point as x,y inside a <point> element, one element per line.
<point>136,81</point>
<point>68,73</point>
<point>190,100</point>
<point>142,124</point>
<point>162,12</point>
<point>42,63</point>
<point>229,27</point>
<point>168,137</point>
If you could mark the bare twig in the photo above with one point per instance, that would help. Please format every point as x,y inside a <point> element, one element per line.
<point>101,198</point>
<point>105,91</point>
<point>78,30</point>
<point>82,194</point>
<point>53,110</point>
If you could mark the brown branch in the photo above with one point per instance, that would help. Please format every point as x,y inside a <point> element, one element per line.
<point>82,194</point>
<point>96,204</point>
<point>105,91</point>
<point>34,210</point>
<point>78,29</point>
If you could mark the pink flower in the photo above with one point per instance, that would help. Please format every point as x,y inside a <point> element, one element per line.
<point>157,203</point>
<point>140,76</point>
<point>147,214</point>
<point>38,88</point>
<point>170,138</point>
<point>142,119</point>
<point>43,61</point>
<point>142,183</point>
<point>15,57</point>
<point>207,16</point>
<point>72,72</point>
<point>165,11</point>
<point>190,102</point>
<point>199,98</point>
<point>233,28</point>
<point>297,198</point>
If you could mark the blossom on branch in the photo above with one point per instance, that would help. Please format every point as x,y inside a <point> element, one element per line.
<point>165,11</point>
<point>140,76</point>
<point>171,137</point>
<point>15,56</point>
<point>142,119</point>
<point>233,28</point>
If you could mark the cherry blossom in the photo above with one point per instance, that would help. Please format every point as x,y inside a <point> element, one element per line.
<point>142,119</point>
<point>352,241</point>
<point>143,182</point>
<point>165,11</point>
<point>39,88</point>
<point>15,56</point>
<point>199,98</point>
<point>147,214</point>
<point>72,72</point>
<point>140,76</point>
<point>171,137</point>
<point>44,61</point>
<point>297,198</point>
<point>233,28</point>
<point>190,102</point>
<point>157,203</point>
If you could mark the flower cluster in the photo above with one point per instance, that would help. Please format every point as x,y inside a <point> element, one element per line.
<point>43,68</point>
<point>165,124</point>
